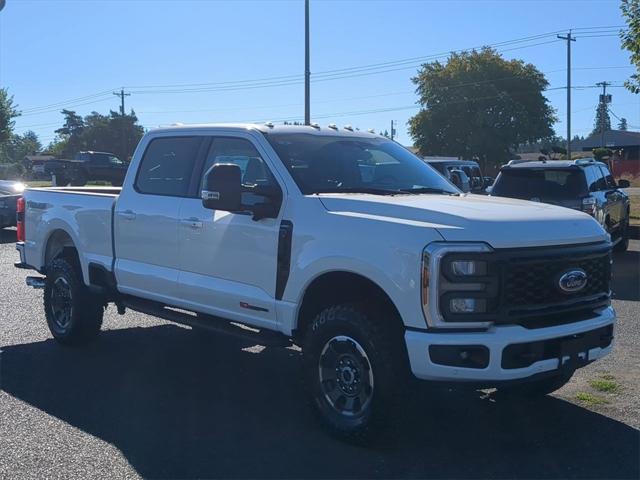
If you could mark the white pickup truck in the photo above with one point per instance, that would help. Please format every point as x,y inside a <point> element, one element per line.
<point>339,241</point>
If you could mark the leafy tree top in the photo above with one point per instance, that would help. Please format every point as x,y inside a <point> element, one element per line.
<point>8,112</point>
<point>631,39</point>
<point>478,104</point>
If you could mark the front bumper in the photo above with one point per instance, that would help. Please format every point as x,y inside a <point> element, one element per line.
<point>496,339</point>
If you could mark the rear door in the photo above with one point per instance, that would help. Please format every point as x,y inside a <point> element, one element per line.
<point>229,261</point>
<point>146,218</point>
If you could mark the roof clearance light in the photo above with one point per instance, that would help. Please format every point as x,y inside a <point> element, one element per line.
<point>333,126</point>
<point>268,124</point>
<point>348,127</point>
<point>315,125</point>
<point>371,130</point>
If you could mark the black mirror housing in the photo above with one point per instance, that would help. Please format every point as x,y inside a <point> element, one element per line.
<point>223,188</point>
<point>624,183</point>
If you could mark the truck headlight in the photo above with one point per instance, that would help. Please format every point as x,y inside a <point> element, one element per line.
<point>460,285</point>
<point>467,268</point>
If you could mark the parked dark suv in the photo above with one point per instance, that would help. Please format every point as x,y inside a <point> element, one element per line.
<point>464,174</point>
<point>583,184</point>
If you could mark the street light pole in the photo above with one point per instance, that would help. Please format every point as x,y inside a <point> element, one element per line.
<point>307,72</point>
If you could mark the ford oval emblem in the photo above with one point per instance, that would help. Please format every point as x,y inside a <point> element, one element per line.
<point>573,280</point>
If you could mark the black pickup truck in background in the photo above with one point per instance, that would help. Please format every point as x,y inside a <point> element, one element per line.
<point>87,166</point>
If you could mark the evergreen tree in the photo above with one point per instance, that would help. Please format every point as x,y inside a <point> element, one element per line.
<point>622,125</point>
<point>603,121</point>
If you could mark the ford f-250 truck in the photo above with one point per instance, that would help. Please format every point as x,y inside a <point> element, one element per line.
<point>342,242</point>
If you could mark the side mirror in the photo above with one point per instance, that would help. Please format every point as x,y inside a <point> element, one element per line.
<point>223,188</point>
<point>624,183</point>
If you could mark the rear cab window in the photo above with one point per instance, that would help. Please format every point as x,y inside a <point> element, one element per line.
<point>167,166</point>
<point>542,183</point>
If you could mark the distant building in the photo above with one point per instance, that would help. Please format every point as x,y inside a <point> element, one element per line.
<point>625,146</point>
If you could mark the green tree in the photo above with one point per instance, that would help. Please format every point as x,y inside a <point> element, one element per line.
<point>480,105</point>
<point>8,112</point>
<point>71,133</point>
<point>603,120</point>
<point>622,124</point>
<point>602,153</point>
<point>631,40</point>
<point>115,133</point>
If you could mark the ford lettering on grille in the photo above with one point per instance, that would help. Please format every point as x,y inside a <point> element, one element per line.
<point>573,281</point>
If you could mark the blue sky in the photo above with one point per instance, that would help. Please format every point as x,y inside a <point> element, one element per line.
<point>72,54</point>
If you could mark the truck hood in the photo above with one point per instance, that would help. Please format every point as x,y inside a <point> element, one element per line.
<point>500,222</point>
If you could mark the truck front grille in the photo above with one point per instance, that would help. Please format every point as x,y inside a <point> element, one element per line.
<point>530,281</point>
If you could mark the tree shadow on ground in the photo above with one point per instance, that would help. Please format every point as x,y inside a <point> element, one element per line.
<point>182,404</point>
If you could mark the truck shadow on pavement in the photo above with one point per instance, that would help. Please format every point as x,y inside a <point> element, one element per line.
<point>183,404</point>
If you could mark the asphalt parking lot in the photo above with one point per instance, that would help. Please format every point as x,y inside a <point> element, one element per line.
<point>156,400</point>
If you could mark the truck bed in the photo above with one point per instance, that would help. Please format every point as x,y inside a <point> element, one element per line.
<point>82,213</point>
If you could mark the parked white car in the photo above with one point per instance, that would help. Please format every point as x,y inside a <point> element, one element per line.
<point>340,241</point>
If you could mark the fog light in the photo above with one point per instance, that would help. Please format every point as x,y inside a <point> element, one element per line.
<point>468,267</point>
<point>468,305</point>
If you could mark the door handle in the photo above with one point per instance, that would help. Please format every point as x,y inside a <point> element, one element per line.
<point>192,222</point>
<point>128,215</point>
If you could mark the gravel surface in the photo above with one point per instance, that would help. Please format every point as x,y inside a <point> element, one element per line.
<point>151,399</point>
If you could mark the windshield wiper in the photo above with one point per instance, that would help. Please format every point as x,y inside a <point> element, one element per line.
<point>371,191</point>
<point>427,190</point>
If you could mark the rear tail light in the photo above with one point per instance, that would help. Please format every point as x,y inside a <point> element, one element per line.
<point>589,206</point>
<point>20,219</point>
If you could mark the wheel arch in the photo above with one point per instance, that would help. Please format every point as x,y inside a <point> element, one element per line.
<point>60,243</point>
<point>343,286</point>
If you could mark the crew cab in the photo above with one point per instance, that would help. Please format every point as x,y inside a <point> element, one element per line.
<point>339,241</point>
<point>87,166</point>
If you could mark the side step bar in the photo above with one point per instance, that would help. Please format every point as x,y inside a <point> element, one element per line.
<point>35,282</point>
<point>207,322</point>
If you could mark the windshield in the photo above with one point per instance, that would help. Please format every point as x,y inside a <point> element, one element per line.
<point>327,164</point>
<point>544,183</point>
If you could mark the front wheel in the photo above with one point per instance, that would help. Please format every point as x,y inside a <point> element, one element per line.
<point>349,370</point>
<point>74,314</point>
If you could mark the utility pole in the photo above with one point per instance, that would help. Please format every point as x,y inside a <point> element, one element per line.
<point>307,72</point>
<point>393,130</point>
<point>604,100</point>
<point>569,39</point>
<point>121,94</point>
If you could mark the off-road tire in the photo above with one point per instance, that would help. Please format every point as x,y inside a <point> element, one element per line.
<point>84,319</point>
<point>382,353</point>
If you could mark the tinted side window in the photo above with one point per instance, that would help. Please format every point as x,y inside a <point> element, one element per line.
<point>167,166</point>
<point>99,159</point>
<point>608,178</point>
<point>241,152</point>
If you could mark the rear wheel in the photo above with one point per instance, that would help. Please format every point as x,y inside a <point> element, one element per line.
<point>349,363</point>
<point>74,314</point>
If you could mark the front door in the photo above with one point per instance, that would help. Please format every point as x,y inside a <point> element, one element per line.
<point>228,261</point>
